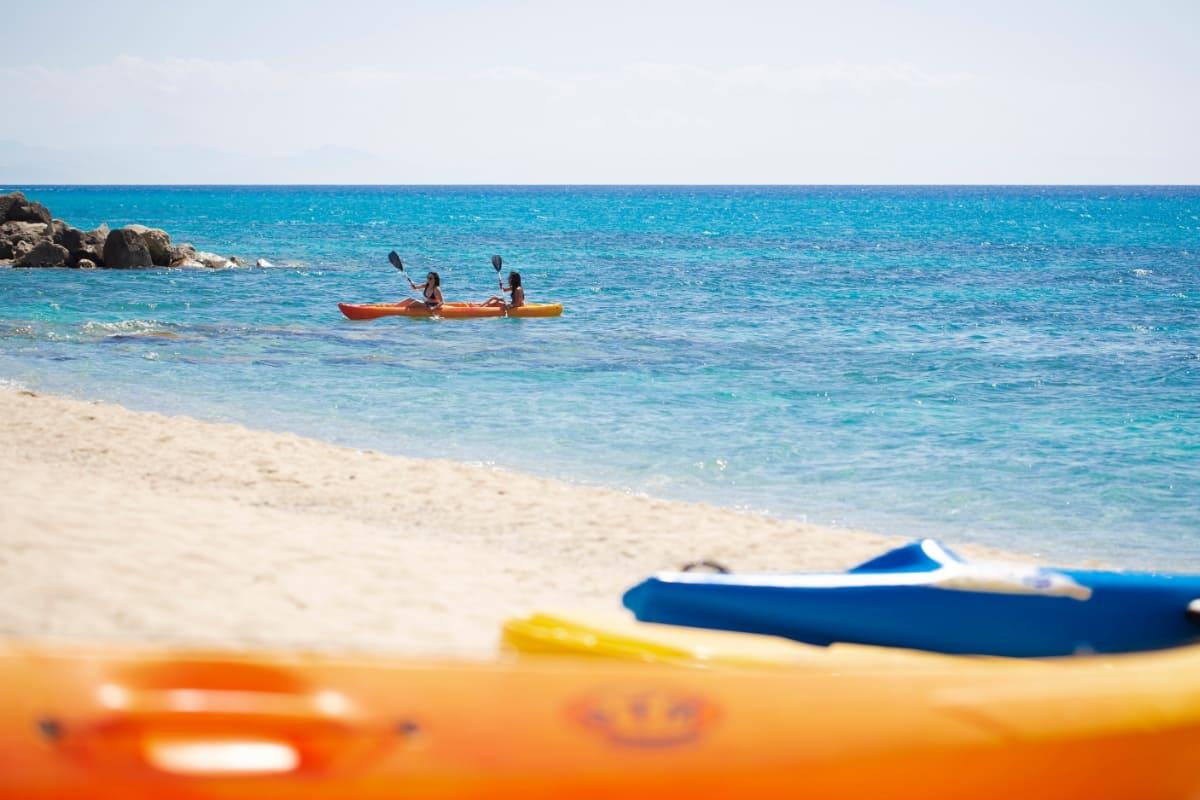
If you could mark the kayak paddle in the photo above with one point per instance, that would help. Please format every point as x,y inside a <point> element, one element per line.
<point>396,262</point>
<point>497,261</point>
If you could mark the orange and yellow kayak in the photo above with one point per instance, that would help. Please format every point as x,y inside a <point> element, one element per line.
<point>146,724</point>
<point>448,310</point>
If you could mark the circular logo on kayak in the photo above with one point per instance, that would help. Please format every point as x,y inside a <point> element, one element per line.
<point>645,716</point>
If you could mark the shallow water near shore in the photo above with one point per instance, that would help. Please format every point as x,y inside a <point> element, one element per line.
<point>1018,367</point>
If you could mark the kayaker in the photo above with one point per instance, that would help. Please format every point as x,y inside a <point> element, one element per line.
<point>431,292</point>
<point>513,288</point>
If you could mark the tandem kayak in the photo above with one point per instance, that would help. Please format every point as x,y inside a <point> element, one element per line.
<point>922,596</point>
<point>449,311</point>
<point>78,723</point>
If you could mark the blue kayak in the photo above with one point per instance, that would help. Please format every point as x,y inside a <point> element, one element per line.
<point>924,596</point>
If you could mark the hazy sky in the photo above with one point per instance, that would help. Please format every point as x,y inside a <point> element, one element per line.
<point>601,92</point>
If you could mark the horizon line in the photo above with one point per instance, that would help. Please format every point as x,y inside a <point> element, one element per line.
<point>981,185</point>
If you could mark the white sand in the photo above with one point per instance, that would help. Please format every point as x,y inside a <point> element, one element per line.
<point>118,525</point>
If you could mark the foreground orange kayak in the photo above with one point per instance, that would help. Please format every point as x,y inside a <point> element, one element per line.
<point>448,310</point>
<point>136,724</point>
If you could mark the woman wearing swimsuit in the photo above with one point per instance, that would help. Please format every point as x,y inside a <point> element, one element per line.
<point>513,288</point>
<point>431,292</point>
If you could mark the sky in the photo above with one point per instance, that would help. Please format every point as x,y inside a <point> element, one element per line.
<point>691,92</point>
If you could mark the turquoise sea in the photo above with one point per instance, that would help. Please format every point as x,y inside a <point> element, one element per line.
<point>1013,366</point>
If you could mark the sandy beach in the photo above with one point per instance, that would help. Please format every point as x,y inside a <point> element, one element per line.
<point>127,526</point>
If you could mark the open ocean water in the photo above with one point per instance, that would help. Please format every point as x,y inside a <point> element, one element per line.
<point>1013,366</point>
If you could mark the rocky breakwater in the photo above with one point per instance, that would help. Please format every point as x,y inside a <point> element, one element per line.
<point>31,237</point>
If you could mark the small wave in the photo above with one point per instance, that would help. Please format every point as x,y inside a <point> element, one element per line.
<point>261,262</point>
<point>1141,273</point>
<point>17,331</point>
<point>128,329</point>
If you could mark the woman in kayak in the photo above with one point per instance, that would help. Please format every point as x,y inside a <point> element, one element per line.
<point>513,288</point>
<point>431,292</point>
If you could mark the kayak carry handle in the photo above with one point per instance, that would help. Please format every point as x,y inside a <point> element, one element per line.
<point>222,731</point>
<point>706,565</point>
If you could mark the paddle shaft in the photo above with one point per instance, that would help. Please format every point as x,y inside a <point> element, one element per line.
<point>398,264</point>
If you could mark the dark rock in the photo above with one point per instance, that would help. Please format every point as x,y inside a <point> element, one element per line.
<point>83,244</point>
<point>160,247</point>
<point>32,232</point>
<point>29,235</point>
<point>125,249</point>
<point>88,252</point>
<point>68,237</point>
<point>157,241</point>
<point>7,201</point>
<point>44,254</point>
<point>22,210</point>
<point>11,229</point>
<point>181,254</point>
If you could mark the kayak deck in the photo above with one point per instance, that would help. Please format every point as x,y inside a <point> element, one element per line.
<point>448,310</point>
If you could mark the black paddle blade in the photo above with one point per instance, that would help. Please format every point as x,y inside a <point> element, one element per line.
<point>496,262</point>
<point>395,259</point>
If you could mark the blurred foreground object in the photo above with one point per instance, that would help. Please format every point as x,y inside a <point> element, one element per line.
<point>157,724</point>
